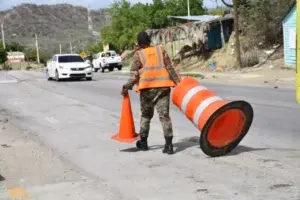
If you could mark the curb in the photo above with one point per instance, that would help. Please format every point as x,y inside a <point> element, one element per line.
<point>182,73</point>
<point>214,78</point>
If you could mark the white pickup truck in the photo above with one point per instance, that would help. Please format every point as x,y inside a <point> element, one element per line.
<point>107,60</point>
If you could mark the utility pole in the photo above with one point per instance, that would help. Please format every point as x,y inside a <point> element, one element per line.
<point>3,38</point>
<point>188,7</point>
<point>59,48</point>
<point>71,48</point>
<point>37,49</point>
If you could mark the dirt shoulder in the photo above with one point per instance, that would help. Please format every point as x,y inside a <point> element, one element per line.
<point>260,76</point>
<point>30,170</point>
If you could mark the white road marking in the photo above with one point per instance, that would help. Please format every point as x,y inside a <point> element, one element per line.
<point>8,81</point>
<point>15,101</point>
<point>41,79</point>
<point>51,120</point>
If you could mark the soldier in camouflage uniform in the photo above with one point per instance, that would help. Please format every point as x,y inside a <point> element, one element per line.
<point>152,97</point>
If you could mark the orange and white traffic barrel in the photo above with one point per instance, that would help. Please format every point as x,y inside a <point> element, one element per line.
<point>222,124</point>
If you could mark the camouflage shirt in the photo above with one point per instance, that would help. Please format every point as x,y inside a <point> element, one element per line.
<point>136,65</point>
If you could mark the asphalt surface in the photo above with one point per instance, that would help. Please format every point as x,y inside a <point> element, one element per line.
<point>75,120</point>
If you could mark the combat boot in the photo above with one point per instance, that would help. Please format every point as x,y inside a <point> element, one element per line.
<point>168,146</point>
<point>142,144</point>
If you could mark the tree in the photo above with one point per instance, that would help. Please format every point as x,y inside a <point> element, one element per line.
<point>180,7</point>
<point>14,46</point>
<point>235,4</point>
<point>30,55</point>
<point>226,3</point>
<point>3,54</point>
<point>127,21</point>
<point>237,34</point>
<point>95,48</point>
<point>262,20</point>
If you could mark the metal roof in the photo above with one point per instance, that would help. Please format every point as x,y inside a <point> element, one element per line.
<point>13,53</point>
<point>202,18</point>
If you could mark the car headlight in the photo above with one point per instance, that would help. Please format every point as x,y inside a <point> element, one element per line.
<point>61,67</point>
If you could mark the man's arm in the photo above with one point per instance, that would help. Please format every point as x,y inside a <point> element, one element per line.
<point>171,69</point>
<point>134,72</point>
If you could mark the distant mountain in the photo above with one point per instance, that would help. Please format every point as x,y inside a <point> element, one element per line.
<point>54,24</point>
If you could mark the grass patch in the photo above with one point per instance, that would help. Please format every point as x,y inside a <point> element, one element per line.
<point>194,75</point>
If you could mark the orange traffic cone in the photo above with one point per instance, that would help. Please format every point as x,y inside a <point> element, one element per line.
<point>127,132</point>
<point>223,124</point>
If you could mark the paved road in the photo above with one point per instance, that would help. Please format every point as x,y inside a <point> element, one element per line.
<point>77,119</point>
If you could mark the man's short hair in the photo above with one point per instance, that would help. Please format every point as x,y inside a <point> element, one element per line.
<point>143,39</point>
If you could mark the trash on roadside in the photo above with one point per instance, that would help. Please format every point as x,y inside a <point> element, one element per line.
<point>5,146</point>
<point>212,65</point>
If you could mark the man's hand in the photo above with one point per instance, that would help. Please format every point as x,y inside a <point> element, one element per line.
<point>124,91</point>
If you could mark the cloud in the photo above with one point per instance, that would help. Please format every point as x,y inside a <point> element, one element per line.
<point>93,4</point>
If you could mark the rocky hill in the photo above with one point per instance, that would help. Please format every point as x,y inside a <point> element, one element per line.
<point>54,25</point>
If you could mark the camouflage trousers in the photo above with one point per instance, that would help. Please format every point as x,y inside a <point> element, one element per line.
<point>158,98</point>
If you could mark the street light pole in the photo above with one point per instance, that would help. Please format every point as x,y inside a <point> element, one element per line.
<point>188,5</point>
<point>37,49</point>
<point>3,37</point>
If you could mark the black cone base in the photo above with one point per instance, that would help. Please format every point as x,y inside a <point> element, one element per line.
<point>217,138</point>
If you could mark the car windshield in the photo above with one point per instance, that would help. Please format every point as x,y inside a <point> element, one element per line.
<point>67,59</point>
<point>109,54</point>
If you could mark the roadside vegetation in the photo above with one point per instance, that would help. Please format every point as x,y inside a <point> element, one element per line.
<point>259,23</point>
<point>259,28</point>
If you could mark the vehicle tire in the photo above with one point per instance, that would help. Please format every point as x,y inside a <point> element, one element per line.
<point>102,69</point>
<point>47,75</point>
<point>57,76</point>
<point>89,78</point>
<point>111,69</point>
<point>96,70</point>
<point>120,68</point>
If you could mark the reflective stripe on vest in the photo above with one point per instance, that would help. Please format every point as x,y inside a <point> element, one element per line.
<point>153,73</point>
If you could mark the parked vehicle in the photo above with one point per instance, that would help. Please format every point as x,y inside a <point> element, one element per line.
<point>89,59</point>
<point>68,66</point>
<point>107,60</point>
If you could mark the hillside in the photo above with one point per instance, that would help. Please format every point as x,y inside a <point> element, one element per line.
<point>54,24</point>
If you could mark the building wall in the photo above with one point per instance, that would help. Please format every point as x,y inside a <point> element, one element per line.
<point>16,58</point>
<point>289,36</point>
<point>214,35</point>
<point>214,38</point>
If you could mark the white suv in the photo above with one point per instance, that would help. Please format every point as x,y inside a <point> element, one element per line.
<point>107,60</point>
<point>68,66</point>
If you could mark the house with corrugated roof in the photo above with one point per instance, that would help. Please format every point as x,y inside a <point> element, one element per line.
<point>289,37</point>
<point>209,32</point>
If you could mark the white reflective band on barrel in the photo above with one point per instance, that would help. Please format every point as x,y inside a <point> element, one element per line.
<point>189,95</point>
<point>202,107</point>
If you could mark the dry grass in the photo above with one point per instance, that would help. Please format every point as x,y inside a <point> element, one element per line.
<point>250,58</point>
<point>24,66</point>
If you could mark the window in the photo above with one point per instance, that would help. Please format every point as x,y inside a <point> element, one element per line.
<point>66,59</point>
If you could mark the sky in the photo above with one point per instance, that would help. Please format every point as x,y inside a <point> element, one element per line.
<point>92,4</point>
